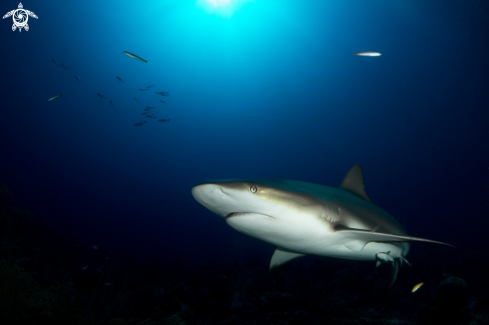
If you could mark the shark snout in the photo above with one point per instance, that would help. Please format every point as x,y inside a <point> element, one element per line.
<point>207,192</point>
<point>213,197</point>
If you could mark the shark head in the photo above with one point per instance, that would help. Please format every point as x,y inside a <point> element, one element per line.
<point>303,218</point>
<point>266,209</point>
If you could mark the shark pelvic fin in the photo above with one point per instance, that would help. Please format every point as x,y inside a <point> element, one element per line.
<point>405,260</point>
<point>281,258</point>
<point>393,276</point>
<point>353,182</point>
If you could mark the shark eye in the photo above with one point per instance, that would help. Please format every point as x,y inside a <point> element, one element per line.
<point>253,189</point>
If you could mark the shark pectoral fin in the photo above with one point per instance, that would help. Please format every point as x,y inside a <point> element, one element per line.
<point>378,263</point>
<point>281,258</point>
<point>353,238</point>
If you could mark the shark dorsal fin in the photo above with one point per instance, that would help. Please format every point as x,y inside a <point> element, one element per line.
<point>353,182</point>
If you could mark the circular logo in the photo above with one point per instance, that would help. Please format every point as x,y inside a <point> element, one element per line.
<point>20,18</point>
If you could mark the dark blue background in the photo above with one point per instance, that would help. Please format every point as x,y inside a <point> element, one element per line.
<point>270,90</point>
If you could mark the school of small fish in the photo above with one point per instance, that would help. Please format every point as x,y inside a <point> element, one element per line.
<point>147,112</point>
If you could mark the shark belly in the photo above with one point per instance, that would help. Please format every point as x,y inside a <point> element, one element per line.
<point>315,237</point>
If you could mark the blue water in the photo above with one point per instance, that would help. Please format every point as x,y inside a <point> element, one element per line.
<point>265,89</point>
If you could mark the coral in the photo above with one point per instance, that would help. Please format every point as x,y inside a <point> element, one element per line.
<point>17,288</point>
<point>172,320</point>
<point>55,302</point>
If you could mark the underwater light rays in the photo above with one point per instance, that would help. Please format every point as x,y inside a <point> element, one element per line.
<point>221,7</point>
<point>219,3</point>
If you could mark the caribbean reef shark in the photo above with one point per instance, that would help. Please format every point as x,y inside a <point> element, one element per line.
<point>304,218</point>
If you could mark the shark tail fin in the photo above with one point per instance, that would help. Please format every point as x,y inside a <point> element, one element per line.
<point>395,270</point>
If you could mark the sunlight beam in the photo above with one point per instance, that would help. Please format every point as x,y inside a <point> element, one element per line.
<point>221,7</point>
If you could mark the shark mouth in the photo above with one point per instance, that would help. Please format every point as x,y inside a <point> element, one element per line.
<point>234,214</point>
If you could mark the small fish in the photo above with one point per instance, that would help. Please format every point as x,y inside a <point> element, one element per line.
<point>137,100</point>
<point>143,89</point>
<point>337,172</point>
<point>146,110</point>
<point>106,258</point>
<point>99,101</point>
<point>140,123</point>
<point>149,87</point>
<point>63,66</point>
<point>84,268</point>
<point>111,103</point>
<point>78,78</point>
<point>100,95</point>
<point>55,62</point>
<point>163,93</point>
<point>150,107</point>
<point>164,120</point>
<point>416,287</point>
<point>367,54</point>
<point>163,101</point>
<point>132,188</point>
<point>108,283</point>
<point>119,79</point>
<point>54,97</point>
<point>95,247</point>
<point>134,56</point>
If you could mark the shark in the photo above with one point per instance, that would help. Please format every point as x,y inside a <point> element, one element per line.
<point>302,218</point>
